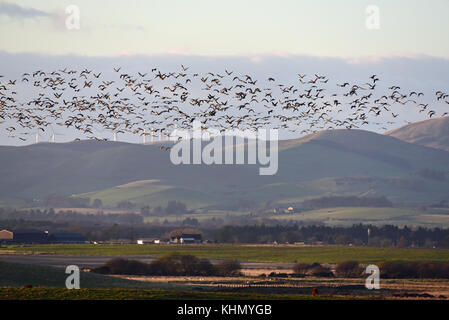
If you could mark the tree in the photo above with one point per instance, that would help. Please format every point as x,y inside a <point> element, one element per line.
<point>176,207</point>
<point>125,205</point>
<point>321,271</point>
<point>190,222</point>
<point>348,269</point>
<point>145,211</point>
<point>97,203</point>
<point>403,243</point>
<point>228,268</point>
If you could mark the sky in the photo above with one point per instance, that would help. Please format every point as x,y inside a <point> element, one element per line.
<point>234,27</point>
<point>402,41</point>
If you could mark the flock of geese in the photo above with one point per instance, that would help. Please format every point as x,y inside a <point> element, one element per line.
<point>155,103</point>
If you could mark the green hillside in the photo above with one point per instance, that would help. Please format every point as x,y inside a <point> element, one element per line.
<point>149,192</point>
<point>347,216</point>
<point>338,162</point>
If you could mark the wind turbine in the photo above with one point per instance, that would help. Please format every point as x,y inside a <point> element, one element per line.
<point>37,135</point>
<point>54,134</point>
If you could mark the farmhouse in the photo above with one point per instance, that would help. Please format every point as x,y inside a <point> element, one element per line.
<point>287,210</point>
<point>186,238</point>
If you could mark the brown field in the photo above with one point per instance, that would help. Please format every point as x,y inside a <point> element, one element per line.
<point>332,287</point>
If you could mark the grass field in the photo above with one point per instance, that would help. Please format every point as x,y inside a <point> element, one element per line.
<point>149,192</point>
<point>19,275</point>
<point>395,216</point>
<point>260,253</point>
<point>341,216</point>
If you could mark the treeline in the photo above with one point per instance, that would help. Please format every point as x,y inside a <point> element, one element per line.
<point>173,208</point>
<point>104,227</point>
<point>348,201</point>
<point>69,216</point>
<point>421,270</point>
<point>174,264</point>
<point>384,236</point>
<point>95,227</point>
<point>62,201</point>
<point>388,270</point>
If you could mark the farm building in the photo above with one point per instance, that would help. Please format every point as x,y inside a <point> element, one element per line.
<point>290,210</point>
<point>37,236</point>
<point>66,238</point>
<point>24,236</point>
<point>186,238</point>
<point>6,235</point>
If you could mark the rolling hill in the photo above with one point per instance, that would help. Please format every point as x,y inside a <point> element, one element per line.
<point>338,162</point>
<point>432,133</point>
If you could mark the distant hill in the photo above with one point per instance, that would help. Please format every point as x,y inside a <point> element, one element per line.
<point>328,163</point>
<point>431,133</point>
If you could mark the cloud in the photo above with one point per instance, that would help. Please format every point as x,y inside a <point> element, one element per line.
<point>17,12</point>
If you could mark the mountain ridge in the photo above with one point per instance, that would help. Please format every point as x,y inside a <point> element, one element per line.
<point>336,162</point>
<point>432,133</point>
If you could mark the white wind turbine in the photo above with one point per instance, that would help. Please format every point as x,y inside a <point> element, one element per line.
<point>54,134</point>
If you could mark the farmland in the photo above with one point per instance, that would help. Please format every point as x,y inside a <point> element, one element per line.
<point>256,253</point>
<point>346,216</point>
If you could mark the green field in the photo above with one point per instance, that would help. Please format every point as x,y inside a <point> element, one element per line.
<point>338,216</point>
<point>149,192</point>
<point>260,253</point>
<point>19,275</point>
<point>431,217</point>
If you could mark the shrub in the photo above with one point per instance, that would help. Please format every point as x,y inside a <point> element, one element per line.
<point>397,270</point>
<point>125,266</point>
<point>321,271</point>
<point>101,270</point>
<point>168,265</point>
<point>186,265</point>
<point>228,268</point>
<point>312,269</point>
<point>348,269</point>
<point>430,270</point>
<point>304,268</point>
<point>171,265</point>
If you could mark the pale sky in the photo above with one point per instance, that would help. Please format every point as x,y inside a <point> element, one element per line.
<point>234,27</point>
